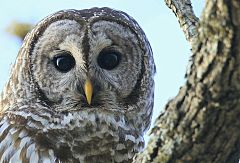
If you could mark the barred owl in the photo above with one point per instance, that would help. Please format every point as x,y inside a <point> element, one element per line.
<point>81,90</point>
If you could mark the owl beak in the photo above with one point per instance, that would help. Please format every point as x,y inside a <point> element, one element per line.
<point>88,89</point>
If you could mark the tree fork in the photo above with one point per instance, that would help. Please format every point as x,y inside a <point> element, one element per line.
<point>201,124</point>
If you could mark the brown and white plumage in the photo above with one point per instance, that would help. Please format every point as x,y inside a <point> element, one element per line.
<point>45,115</point>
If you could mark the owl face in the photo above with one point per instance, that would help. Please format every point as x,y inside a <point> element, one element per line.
<point>81,89</point>
<point>71,54</point>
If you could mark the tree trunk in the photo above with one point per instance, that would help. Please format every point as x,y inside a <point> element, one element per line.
<point>202,123</point>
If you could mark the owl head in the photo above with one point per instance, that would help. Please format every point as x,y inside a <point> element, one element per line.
<point>85,68</point>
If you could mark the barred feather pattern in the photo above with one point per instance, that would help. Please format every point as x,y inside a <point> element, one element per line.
<point>69,137</point>
<point>35,128</point>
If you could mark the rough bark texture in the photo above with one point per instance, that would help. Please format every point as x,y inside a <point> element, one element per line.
<point>186,17</point>
<point>201,124</point>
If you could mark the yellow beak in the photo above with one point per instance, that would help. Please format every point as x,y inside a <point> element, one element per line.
<point>88,89</point>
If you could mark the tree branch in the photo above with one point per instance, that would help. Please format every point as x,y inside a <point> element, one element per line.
<point>201,124</point>
<point>186,17</point>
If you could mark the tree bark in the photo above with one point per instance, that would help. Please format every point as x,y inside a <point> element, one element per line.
<point>201,124</point>
<point>186,17</point>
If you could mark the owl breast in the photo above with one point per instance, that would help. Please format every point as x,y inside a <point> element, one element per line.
<point>81,90</point>
<point>86,136</point>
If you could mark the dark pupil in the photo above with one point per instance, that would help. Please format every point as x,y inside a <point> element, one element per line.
<point>64,62</point>
<point>108,60</point>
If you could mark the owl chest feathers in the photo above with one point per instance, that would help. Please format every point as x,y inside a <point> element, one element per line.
<point>86,136</point>
<point>81,90</point>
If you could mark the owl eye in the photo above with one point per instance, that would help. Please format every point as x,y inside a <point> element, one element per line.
<point>108,59</point>
<point>64,62</point>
